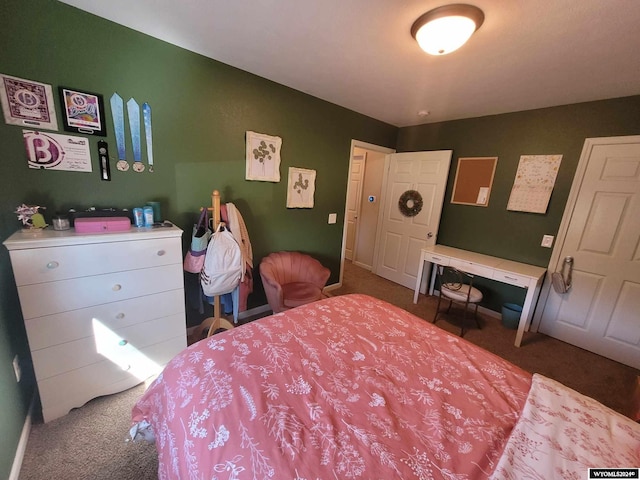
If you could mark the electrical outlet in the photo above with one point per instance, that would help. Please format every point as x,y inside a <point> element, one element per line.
<point>547,241</point>
<point>16,368</point>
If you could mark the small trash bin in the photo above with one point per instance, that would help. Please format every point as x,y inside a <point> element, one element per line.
<point>511,315</point>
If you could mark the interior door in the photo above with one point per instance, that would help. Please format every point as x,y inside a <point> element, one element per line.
<point>354,200</point>
<point>601,311</point>
<point>400,238</point>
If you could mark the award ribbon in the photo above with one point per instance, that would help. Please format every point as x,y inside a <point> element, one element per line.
<point>146,116</point>
<point>133,109</point>
<point>117,112</point>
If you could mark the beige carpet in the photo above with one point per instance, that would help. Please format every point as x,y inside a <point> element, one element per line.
<point>91,442</point>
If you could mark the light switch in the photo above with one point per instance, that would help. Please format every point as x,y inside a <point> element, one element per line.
<point>333,218</point>
<point>547,241</point>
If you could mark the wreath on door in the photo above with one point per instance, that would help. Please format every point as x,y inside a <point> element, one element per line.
<point>410,203</point>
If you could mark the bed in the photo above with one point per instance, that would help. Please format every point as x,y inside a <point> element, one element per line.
<point>353,387</point>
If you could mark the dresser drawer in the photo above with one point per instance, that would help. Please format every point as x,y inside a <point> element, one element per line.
<point>512,278</point>
<point>121,347</point>
<point>472,268</point>
<point>68,326</point>
<point>61,393</point>
<point>42,299</point>
<point>59,263</point>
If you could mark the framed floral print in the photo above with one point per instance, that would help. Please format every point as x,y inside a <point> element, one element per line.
<point>301,188</point>
<point>263,157</point>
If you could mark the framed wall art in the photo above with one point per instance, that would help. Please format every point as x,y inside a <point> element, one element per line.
<point>83,112</point>
<point>27,103</point>
<point>301,188</point>
<point>263,157</point>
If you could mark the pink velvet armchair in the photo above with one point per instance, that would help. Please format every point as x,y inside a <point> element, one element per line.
<point>291,279</point>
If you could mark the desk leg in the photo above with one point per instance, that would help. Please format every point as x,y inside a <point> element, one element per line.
<point>527,314</point>
<point>419,278</point>
<point>432,283</point>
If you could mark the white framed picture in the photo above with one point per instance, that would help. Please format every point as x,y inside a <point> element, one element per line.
<point>27,103</point>
<point>263,157</point>
<point>301,187</point>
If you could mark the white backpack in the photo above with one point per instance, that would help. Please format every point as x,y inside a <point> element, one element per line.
<point>222,264</point>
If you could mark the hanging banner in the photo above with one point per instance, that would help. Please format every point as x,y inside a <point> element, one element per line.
<point>50,151</point>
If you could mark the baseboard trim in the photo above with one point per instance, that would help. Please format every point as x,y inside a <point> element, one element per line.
<point>254,311</point>
<point>22,444</point>
<point>333,286</point>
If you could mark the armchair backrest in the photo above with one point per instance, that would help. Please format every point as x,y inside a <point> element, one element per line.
<point>289,267</point>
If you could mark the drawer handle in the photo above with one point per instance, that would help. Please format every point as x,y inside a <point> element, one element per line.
<point>120,316</point>
<point>161,253</point>
<point>52,265</point>
<point>436,258</point>
<point>116,287</point>
<point>122,343</point>
<point>510,278</point>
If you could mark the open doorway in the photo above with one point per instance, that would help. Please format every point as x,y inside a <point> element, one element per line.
<point>364,188</point>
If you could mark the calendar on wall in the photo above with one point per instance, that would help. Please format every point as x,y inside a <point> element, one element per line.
<point>534,183</point>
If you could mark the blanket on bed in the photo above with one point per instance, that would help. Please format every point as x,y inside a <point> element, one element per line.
<point>562,433</point>
<point>347,387</point>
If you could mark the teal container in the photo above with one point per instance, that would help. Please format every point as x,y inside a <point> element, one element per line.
<point>511,315</point>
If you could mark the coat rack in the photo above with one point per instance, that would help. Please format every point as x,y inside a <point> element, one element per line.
<point>215,322</point>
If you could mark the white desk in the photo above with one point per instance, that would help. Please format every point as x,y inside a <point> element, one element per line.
<point>521,275</point>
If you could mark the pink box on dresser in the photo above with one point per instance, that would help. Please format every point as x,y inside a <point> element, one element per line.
<point>102,224</point>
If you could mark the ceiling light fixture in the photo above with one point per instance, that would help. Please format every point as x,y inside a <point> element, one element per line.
<point>445,29</point>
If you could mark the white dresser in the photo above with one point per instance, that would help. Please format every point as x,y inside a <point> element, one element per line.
<point>103,312</point>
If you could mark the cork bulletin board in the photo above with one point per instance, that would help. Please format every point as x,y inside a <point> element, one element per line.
<point>474,178</point>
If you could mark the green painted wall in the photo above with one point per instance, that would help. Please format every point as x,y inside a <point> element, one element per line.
<point>494,230</point>
<point>201,111</point>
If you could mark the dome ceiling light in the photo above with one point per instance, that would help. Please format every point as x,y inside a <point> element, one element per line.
<point>445,29</point>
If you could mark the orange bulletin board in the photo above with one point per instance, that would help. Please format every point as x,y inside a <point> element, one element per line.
<point>474,178</point>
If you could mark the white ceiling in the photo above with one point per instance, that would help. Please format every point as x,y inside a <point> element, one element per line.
<point>360,54</point>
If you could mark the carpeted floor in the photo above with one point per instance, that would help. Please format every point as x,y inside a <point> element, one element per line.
<point>91,443</point>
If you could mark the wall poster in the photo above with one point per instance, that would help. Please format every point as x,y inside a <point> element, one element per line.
<point>534,183</point>
<point>50,151</point>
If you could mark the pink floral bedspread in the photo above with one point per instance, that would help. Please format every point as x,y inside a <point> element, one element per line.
<point>347,387</point>
<point>562,433</point>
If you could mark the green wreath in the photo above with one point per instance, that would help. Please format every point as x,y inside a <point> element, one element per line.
<point>410,203</point>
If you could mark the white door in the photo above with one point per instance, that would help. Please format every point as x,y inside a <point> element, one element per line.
<point>354,199</point>
<point>601,311</point>
<point>400,237</point>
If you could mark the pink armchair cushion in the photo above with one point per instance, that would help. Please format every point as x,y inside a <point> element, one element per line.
<point>291,279</point>
<point>298,293</point>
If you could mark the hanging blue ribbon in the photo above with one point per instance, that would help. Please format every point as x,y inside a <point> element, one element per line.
<point>146,116</point>
<point>134,125</point>
<point>117,112</point>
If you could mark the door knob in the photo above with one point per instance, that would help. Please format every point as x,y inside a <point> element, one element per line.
<point>430,235</point>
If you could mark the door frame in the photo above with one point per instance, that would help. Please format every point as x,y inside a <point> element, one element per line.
<point>365,146</point>
<point>576,186</point>
<point>358,203</point>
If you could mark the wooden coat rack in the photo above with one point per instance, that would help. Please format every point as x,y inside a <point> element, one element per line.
<point>213,323</point>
